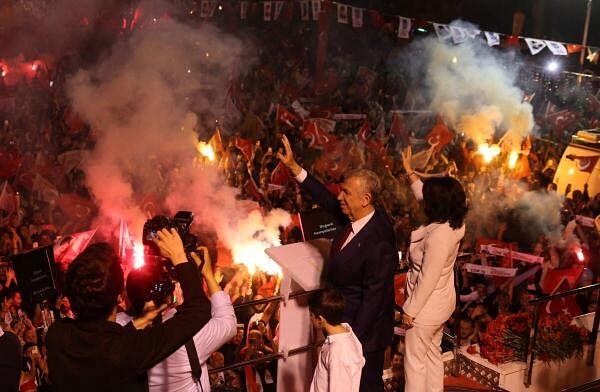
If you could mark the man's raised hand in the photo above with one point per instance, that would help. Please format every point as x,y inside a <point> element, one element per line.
<point>287,157</point>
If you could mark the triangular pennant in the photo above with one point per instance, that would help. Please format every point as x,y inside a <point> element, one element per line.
<point>492,39</point>
<point>213,7</point>
<point>243,10</point>
<point>574,48</point>
<point>357,17</point>
<point>592,55</point>
<point>267,6</point>
<point>278,9</point>
<point>535,45</point>
<point>316,8</point>
<point>472,33</point>
<point>204,8</point>
<point>304,15</point>
<point>557,48</point>
<point>459,35</point>
<point>443,31</point>
<point>342,13</point>
<point>404,27</point>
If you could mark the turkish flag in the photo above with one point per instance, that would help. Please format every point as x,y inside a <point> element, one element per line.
<point>364,132</point>
<point>244,145</point>
<point>574,48</point>
<point>566,305</point>
<point>399,287</point>
<point>10,160</point>
<point>439,135</point>
<point>399,129</point>
<point>70,246</point>
<point>317,137</point>
<point>285,117</point>
<point>584,163</point>
<point>252,190</point>
<point>280,174</point>
<point>561,120</point>
<point>75,206</point>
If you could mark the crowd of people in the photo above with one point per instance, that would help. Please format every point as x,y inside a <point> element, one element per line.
<point>42,144</point>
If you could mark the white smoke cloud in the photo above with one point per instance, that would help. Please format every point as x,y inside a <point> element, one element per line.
<point>141,102</point>
<point>473,87</point>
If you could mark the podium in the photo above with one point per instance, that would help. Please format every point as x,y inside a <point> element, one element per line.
<point>302,266</point>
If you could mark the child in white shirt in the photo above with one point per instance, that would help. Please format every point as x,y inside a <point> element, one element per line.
<point>341,359</point>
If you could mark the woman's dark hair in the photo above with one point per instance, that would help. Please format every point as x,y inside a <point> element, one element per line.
<point>328,303</point>
<point>444,200</point>
<point>94,281</point>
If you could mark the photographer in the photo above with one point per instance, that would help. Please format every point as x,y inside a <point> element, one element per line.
<point>92,352</point>
<point>176,373</point>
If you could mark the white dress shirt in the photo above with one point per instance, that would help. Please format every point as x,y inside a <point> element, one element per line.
<point>340,364</point>
<point>356,225</point>
<point>174,373</point>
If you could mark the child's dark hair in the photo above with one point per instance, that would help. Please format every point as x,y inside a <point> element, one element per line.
<point>328,303</point>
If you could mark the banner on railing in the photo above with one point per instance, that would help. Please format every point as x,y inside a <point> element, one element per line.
<point>490,271</point>
<point>515,255</point>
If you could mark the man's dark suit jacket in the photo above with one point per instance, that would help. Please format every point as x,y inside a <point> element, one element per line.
<point>104,356</point>
<point>363,271</point>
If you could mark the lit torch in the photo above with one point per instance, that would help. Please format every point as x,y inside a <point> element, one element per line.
<point>579,254</point>
<point>512,159</point>
<point>206,151</point>
<point>488,152</point>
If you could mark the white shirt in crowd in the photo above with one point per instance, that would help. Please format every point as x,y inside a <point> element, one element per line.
<point>340,364</point>
<point>175,373</point>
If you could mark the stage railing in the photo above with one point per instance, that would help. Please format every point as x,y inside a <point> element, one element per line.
<point>274,356</point>
<point>530,358</point>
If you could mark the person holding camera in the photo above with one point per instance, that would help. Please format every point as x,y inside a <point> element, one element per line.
<point>179,371</point>
<point>93,352</point>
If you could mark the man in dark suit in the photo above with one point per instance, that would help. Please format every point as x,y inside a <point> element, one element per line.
<point>362,261</point>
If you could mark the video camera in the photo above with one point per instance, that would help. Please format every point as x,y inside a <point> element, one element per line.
<point>181,222</point>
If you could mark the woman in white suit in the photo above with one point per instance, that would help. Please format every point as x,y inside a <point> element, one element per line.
<point>430,293</point>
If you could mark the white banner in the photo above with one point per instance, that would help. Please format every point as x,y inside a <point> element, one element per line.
<point>357,17</point>
<point>459,35</point>
<point>267,7</point>
<point>557,48</point>
<point>404,27</point>
<point>316,8</point>
<point>443,31</point>
<point>490,271</point>
<point>584,220</point>
<point>342,13</point>
<point>278,8</point>
<point>535,45</point>
<point>493,250</point>
<point>304,14</point>
<point>243,9</point>
<point>349,116</point>
<point>493,39</point>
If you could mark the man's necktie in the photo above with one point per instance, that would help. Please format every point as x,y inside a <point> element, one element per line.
<point>338,242</point>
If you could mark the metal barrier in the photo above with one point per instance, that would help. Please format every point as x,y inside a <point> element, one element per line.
<point>270,357</point>
<point>530,355</point>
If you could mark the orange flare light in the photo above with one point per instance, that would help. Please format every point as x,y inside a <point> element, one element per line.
<point>138,255</point>
<point>206,151</point>
<point>512,160</point>
<point>488,152</point>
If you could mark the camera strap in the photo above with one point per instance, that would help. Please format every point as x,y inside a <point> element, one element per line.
<point>190,347</point>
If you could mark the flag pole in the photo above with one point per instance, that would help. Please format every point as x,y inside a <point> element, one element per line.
<point>586,28</point>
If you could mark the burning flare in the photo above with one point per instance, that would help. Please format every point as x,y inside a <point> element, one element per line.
<point>512,160</point>
<point>206,150</point>
<point>488,152</point>
<point>138,255</point>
